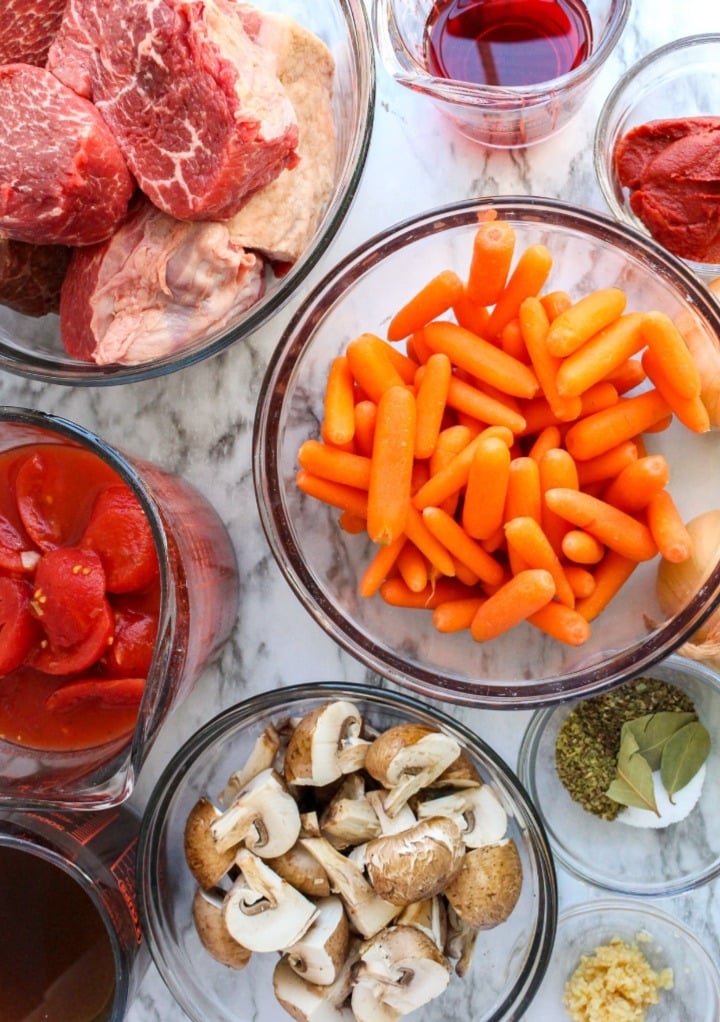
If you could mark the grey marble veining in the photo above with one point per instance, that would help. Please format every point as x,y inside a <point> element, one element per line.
<point>199,422</point>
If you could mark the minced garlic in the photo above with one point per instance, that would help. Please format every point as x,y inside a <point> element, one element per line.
<point>615,983</point>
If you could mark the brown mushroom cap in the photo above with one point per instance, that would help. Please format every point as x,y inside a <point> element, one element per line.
<point>385,747</point>
<point>303,871</point>
<point>416,863</point>
<point>206,864</point>
<point>488,885</point>
<point>213,933</point>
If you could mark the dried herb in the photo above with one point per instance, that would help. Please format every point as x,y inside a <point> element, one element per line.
<point>653,731</point>
<point>633,784</point>
<point>683,756</point>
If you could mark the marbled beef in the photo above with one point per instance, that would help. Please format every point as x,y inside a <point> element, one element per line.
<point>31,276</point>
<point>195,104</point>
<point>63,179</point>
<point>27,28</point>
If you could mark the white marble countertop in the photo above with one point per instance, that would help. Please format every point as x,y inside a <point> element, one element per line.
<point>198,422</point>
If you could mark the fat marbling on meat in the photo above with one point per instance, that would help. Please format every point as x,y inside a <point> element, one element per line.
<point>195,104</point>
<point>27,28</point>
<point>31,276</point>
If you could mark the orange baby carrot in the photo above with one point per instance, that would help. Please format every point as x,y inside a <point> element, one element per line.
<point>469,313</point>
<point>580,580</point>
<point>436,552</point>
<point>582,548</point>
<point>380,567</point>
<point>405,366</point>
<point>453,476</point>
<point>454,538</point>
<point>556,468</point>
<point>352,524</point>
<point>671,352</point>
<point>396,593</point>
<point>463,573</point>
<point>548,439</point>
<point>668,528</point>
<point>338,425</point>
<point>523,489</point>
<point>486,489</point>
<point>412,568</point>
<point>456,615</point>
<point>330,463</point>
<point>526,538</point>
<point>432,300</point>
<point>555,302</point>
<point>481,358</point>
<point>605,351</point>
<point>433,380</point>
<point>371,366</point>
<point>516,600</point>
<point>391,465</point>
<point>417,349</point>
<point>365,415</point>
<point>485,408</point>
<point>599,396</point>
<point>492,252</point>
<point>627,376</point>
<point>616,529</point>
<point>691,411</point>
<point>594,434</point>
<point>512,343</point>
<point>608,464</point>
<point>610,576</point>
<point>585,318</point>
<point>346,498</point>
<point>530,273</point>
<point>638,482</point>
<point>562,623</point>
<point>534,326</point>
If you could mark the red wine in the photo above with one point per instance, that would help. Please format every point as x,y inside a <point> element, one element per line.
<point>506,42</point>
<point>56,961</point>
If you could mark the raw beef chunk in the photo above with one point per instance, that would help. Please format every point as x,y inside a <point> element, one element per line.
<point>27,27</point>
<point>31,275</point>
<point>157,285</point>
<point>63,179</point>
<point>195,104</point>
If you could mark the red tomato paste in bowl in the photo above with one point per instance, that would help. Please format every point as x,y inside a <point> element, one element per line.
<point>79,599</point>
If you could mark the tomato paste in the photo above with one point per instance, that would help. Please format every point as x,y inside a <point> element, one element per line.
<point>672,169</point>
<point>79,599</point>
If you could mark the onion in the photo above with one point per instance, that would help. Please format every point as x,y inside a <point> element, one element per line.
<point>678,583</point>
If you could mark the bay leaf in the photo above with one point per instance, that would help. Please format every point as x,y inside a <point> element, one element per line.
<point>683,756</point>
<point>654,730</point>
<point>633,784</point>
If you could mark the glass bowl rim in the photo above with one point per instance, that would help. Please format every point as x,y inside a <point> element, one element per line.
<point>152,824</point>
<point>265,467</point>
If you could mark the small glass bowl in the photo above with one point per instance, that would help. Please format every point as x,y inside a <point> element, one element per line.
<point>506,968</point>
<point>31,347</point>
<point>500,117</point>
<point>323,564</point>
<point>664,941</point>
<point>610,854</point>
<point>678,80</point>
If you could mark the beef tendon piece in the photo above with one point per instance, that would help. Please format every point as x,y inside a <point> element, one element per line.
<point>27,28</point>
<point>195,104</point>
<point>31,276</point>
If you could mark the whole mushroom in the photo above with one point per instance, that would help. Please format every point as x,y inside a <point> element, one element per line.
<point>417,863</point>
<point>487,887</point>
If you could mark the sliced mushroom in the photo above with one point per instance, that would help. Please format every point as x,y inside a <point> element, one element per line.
<point>400,969</point>
<point>310,824</point>
<point>416,863</point>
<point>319,954</point>
<point>302,870</point>
<point>349,818</point>
<point>207,863</point>
<point>264,817</point>
<point>488,886</point>
<point>429,916</point>
<point>402,820</point>
<point>326,744</point>
<point>460,774</point>
<point>477,811</point>
<point>213,934</point>
<point>367,911</point>
<point>261,910</point>
<point>407,758</point>
<point>310,1002</point>
<point>262,755</point>
<point>460,941</point>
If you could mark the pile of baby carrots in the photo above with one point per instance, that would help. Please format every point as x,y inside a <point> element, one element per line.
<point>491,445</point>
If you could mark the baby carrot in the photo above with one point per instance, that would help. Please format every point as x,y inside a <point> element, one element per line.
<point>338,425</point>
<point>352,524</point>
<point>627,376</point>
<point>516,600</point>
<point>585,318</point>
<point>454,538</point>
<point>436,552</point>
<point>481,358</point>
<point>470,314</point>
<point>602,353</point>
<point>417,349</point>
<point>485,408</point>
<point>610,576</point>
<point>594,434</point>
<point>433,380</point>
<point>380,567</point>
<point>486,489</point>
<point>523,489</point>
<point>391,465</point>
<point>453,476</point>
<point>582,548</point>
<point>346,498</point>
<point>396,593</point>
<point>616,529</point>
<point>406,367</point>
<point>330,463</point>
<point>526,537</point>
<point>431,301</point>
<point>548,439</point>
<point>530,273</point>
<point>412,568</point>
<point>599,396</point>
<point>580,580</point>
<point>456,615</point>
<point>365,415</point>
<point>534,326</point>
<point>608,464</point>
<point>371,366</point>
<point>556,468</point>
<point>668,528</point>
<point>671,352</point>
<point>555,302</point>
<point>691,411</point>
<point>638,482</point>
<point>492,252</point>
<point>512,343</point>
<point>562,623</point>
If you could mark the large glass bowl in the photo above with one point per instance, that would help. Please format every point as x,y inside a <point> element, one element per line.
<point>323,564</point>
<point>31,347</point>
<point>509,960</point>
